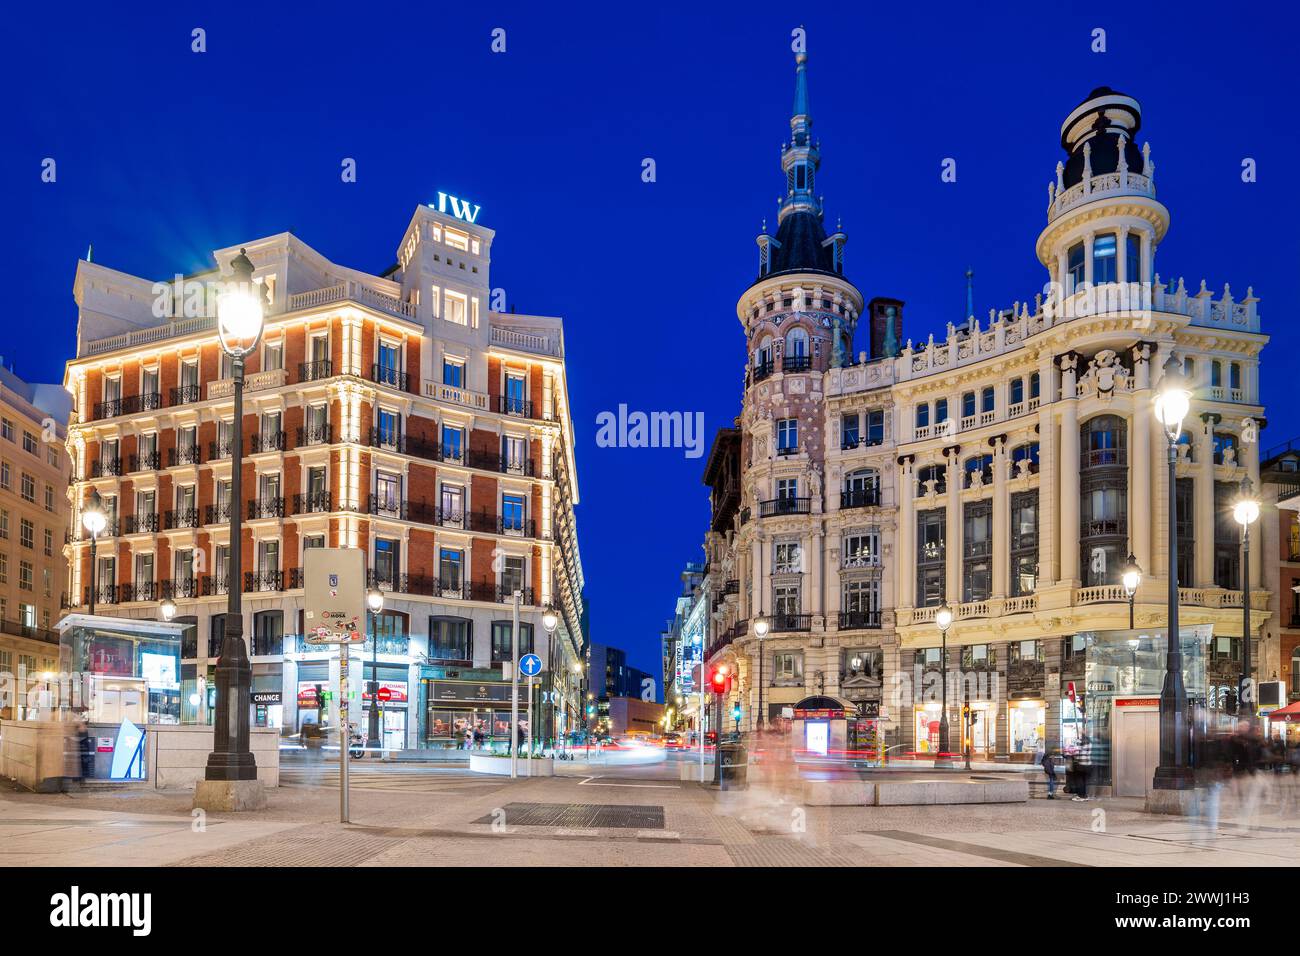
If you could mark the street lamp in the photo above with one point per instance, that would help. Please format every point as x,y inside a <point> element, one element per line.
<point>1132,577</point>
<point>167,609</point>
<point>943,618</point>
<point>239,327</point>
<point>375,603</point>
<point>1171,404</point>
<point>94,520</point>
<point>550,621</point>
<point>1246,511</point>
<point>761,627</point>
<point>1133,643</point>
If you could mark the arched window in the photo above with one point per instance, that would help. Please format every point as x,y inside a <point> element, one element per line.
<point>1033,385</point>
<point>1216,374</point>
<point>987,399</point>
<point>1017,392</point>
<point>979,463</point>
<point>933,473</point>
<point>1105,439</point>
<point>796,357</point>
<point>763,354</point>
<point>1222,443</point>
<point>967,404</point>
<point>861,489</point>
<point>1026,452</point>
<point>923,415</point>
<point>940,410</point>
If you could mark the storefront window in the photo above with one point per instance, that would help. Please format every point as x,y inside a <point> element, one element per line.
<point>1028,729</point>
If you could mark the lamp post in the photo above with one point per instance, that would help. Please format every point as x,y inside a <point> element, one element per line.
<point>1171,404</point>
<point>239,327</point>
<point>1133,648</point>
<point>167,609</point>
<point>1246,511</point>
<point>94,520</point>
<point>761,627</point>
<point>1132,577</point>
<point>550,621</point>
<point>375,604</point>
<point>943,618</point>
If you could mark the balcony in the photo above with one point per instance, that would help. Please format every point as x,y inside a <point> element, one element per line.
<point>140,524</point>
<point>185,455</point>
<point>504,594</point>
<point>272,580</point>
<point>315,371</point>
<point>181,518</point>
<point>850,442</point>
<point>217,514</point>
<point>387,438</point>
<point>383,375</point>
<point>501,464</point>
<point>457,396</point>
<point>258,381</point>
<point>147,462</point>
<point>401,583</point>
<point>266,441</point>
<point>860,498</point>
<point>18,629</point>
<point>761,371</point>
<point>219,450</point>
<point>267,645</point>
<point>516,527</point>
<point>180,588</point>
<point>519,407</point>
<point>316,435</point>
<point>784,506</point>
<point>106,468</point>
<point>185,395</point>
<point>104,594</point>
<point>791,622</point>
<point>214,584</point>
<point>856,620</point>
<point>796,363</point>
<point>313,502</point>
<point>140,591</point>
<point>1103,457</point>
<point>269,507</point>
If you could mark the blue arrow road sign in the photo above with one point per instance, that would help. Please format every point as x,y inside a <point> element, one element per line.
<point>530,665</point>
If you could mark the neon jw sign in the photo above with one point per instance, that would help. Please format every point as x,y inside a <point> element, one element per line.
<point>462,209</point>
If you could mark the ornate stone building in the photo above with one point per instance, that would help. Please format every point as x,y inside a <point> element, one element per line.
<point>1006,467</point>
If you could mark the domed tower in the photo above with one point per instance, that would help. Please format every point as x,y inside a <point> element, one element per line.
<point>1103,220</point>
<point>800,313</point>
<point>799,317</point>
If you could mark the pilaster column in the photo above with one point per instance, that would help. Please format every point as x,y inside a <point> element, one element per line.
<point>905,556</point>
<point>1250,451</point>
<point>1203,527</point>
<point>816,603</point>
<point>1001,519</point>
<point>1068,467</point>
<point>758,604</point>
<point>953,528</point>
<point>1139,516</point>
<point>1048,572</point>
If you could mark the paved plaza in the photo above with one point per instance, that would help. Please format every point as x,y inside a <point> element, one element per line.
<point>419,815</point>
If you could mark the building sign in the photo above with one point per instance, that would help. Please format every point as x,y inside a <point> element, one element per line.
<point>462,209</point>
<point>468,692</point>
<point>266,697</point>
<point>396,688</point>
<point>307,692</point>
<point>1138,702</point>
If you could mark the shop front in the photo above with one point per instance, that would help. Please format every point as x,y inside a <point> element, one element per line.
<point>454,706</point>
<point>820,726</point>
<point>268,696</point>
<point>394,702</point>
<point>1026,729</point>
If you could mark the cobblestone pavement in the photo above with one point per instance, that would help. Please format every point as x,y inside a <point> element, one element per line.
<point>449,819</point>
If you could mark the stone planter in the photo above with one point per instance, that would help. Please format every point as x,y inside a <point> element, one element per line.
<point>500,766</point>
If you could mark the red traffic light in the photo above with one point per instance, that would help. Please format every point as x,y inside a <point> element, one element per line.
<point>720,680</point>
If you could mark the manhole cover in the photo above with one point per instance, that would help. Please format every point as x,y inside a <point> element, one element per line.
<point>580,816</point>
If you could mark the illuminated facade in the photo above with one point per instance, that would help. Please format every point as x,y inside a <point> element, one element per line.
<point>397,413</point>
<point>1006,467</point>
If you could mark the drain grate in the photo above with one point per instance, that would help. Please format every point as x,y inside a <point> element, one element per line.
<point>580,816</point>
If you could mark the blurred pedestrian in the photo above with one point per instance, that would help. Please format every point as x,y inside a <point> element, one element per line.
<point>1049,768</point>
<point>86,748</point>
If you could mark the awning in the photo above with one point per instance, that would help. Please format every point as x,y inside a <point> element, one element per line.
<point>1290,714</point>
<point>824,706</point>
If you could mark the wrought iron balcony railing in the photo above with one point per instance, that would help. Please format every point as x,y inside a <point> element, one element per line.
<point>150,461</point>
<point>270,507</point>
<point>264,441</point>
<point>315,371</point>
<point>784,506</point>
<point>850,620</point>
<point>313,502</point>
<point>383,375</point>
<point>316,435</point>
<point>140,523</point>
<point>181,518</point>
<point>185,394</point>
<point>185,455</point>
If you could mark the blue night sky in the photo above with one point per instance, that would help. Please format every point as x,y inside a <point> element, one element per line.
<point>164,154</point>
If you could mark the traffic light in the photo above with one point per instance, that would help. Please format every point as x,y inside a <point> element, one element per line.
<point>735,712</point>
<point>591,710</point>
<point>720,680</point>
<point>320,697</point>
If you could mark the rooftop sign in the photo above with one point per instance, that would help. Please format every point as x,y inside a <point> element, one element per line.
<point>462,209</point>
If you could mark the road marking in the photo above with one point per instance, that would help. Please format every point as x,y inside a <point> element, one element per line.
<point>642,786</point>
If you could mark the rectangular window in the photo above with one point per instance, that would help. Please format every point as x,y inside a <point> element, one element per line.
<point>29,488</point>
<point>29,443</point>
<point>387,561</point>
<point>930,551</point>
<point>514,454</point>
<point>787,665</point>
<point>787,558</point>
<point>1133,259</point>
<point>273,356</point>
<point>7,429</point>
<point>876,426</point>
<point>861,548</point>
<point>450,565</point>
<point>1074,266</point>
<point>49,543</point>
<point>1104,265</point>
<point>1024,543</point>
<point>501,640</point>
<point>787,489</point>
<point>26,533</point>
<point>787,436</point>
<point>457,308</point>
<point>512,514</point>
<point>388,493</point>
<point>849,434</point>
<point>453,443</point>
<point>449,639</point>
<point>862,599</point>
<point>452,504</point>
<point>785,601</point>
<point>453,373</point>
<point>977,547</point>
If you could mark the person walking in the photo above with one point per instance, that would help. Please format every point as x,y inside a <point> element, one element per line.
<point>1049,768</point>
<point>86,745</point>
<point>469,738</point>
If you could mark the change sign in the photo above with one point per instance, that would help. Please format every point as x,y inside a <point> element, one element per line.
<point>334,595</point>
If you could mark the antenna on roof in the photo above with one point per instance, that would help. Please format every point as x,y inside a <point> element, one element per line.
<point>90,252</point>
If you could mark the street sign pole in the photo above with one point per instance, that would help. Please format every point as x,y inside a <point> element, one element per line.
<point>514,689</point>
<point>530,726</point>
<point>344,733</point>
